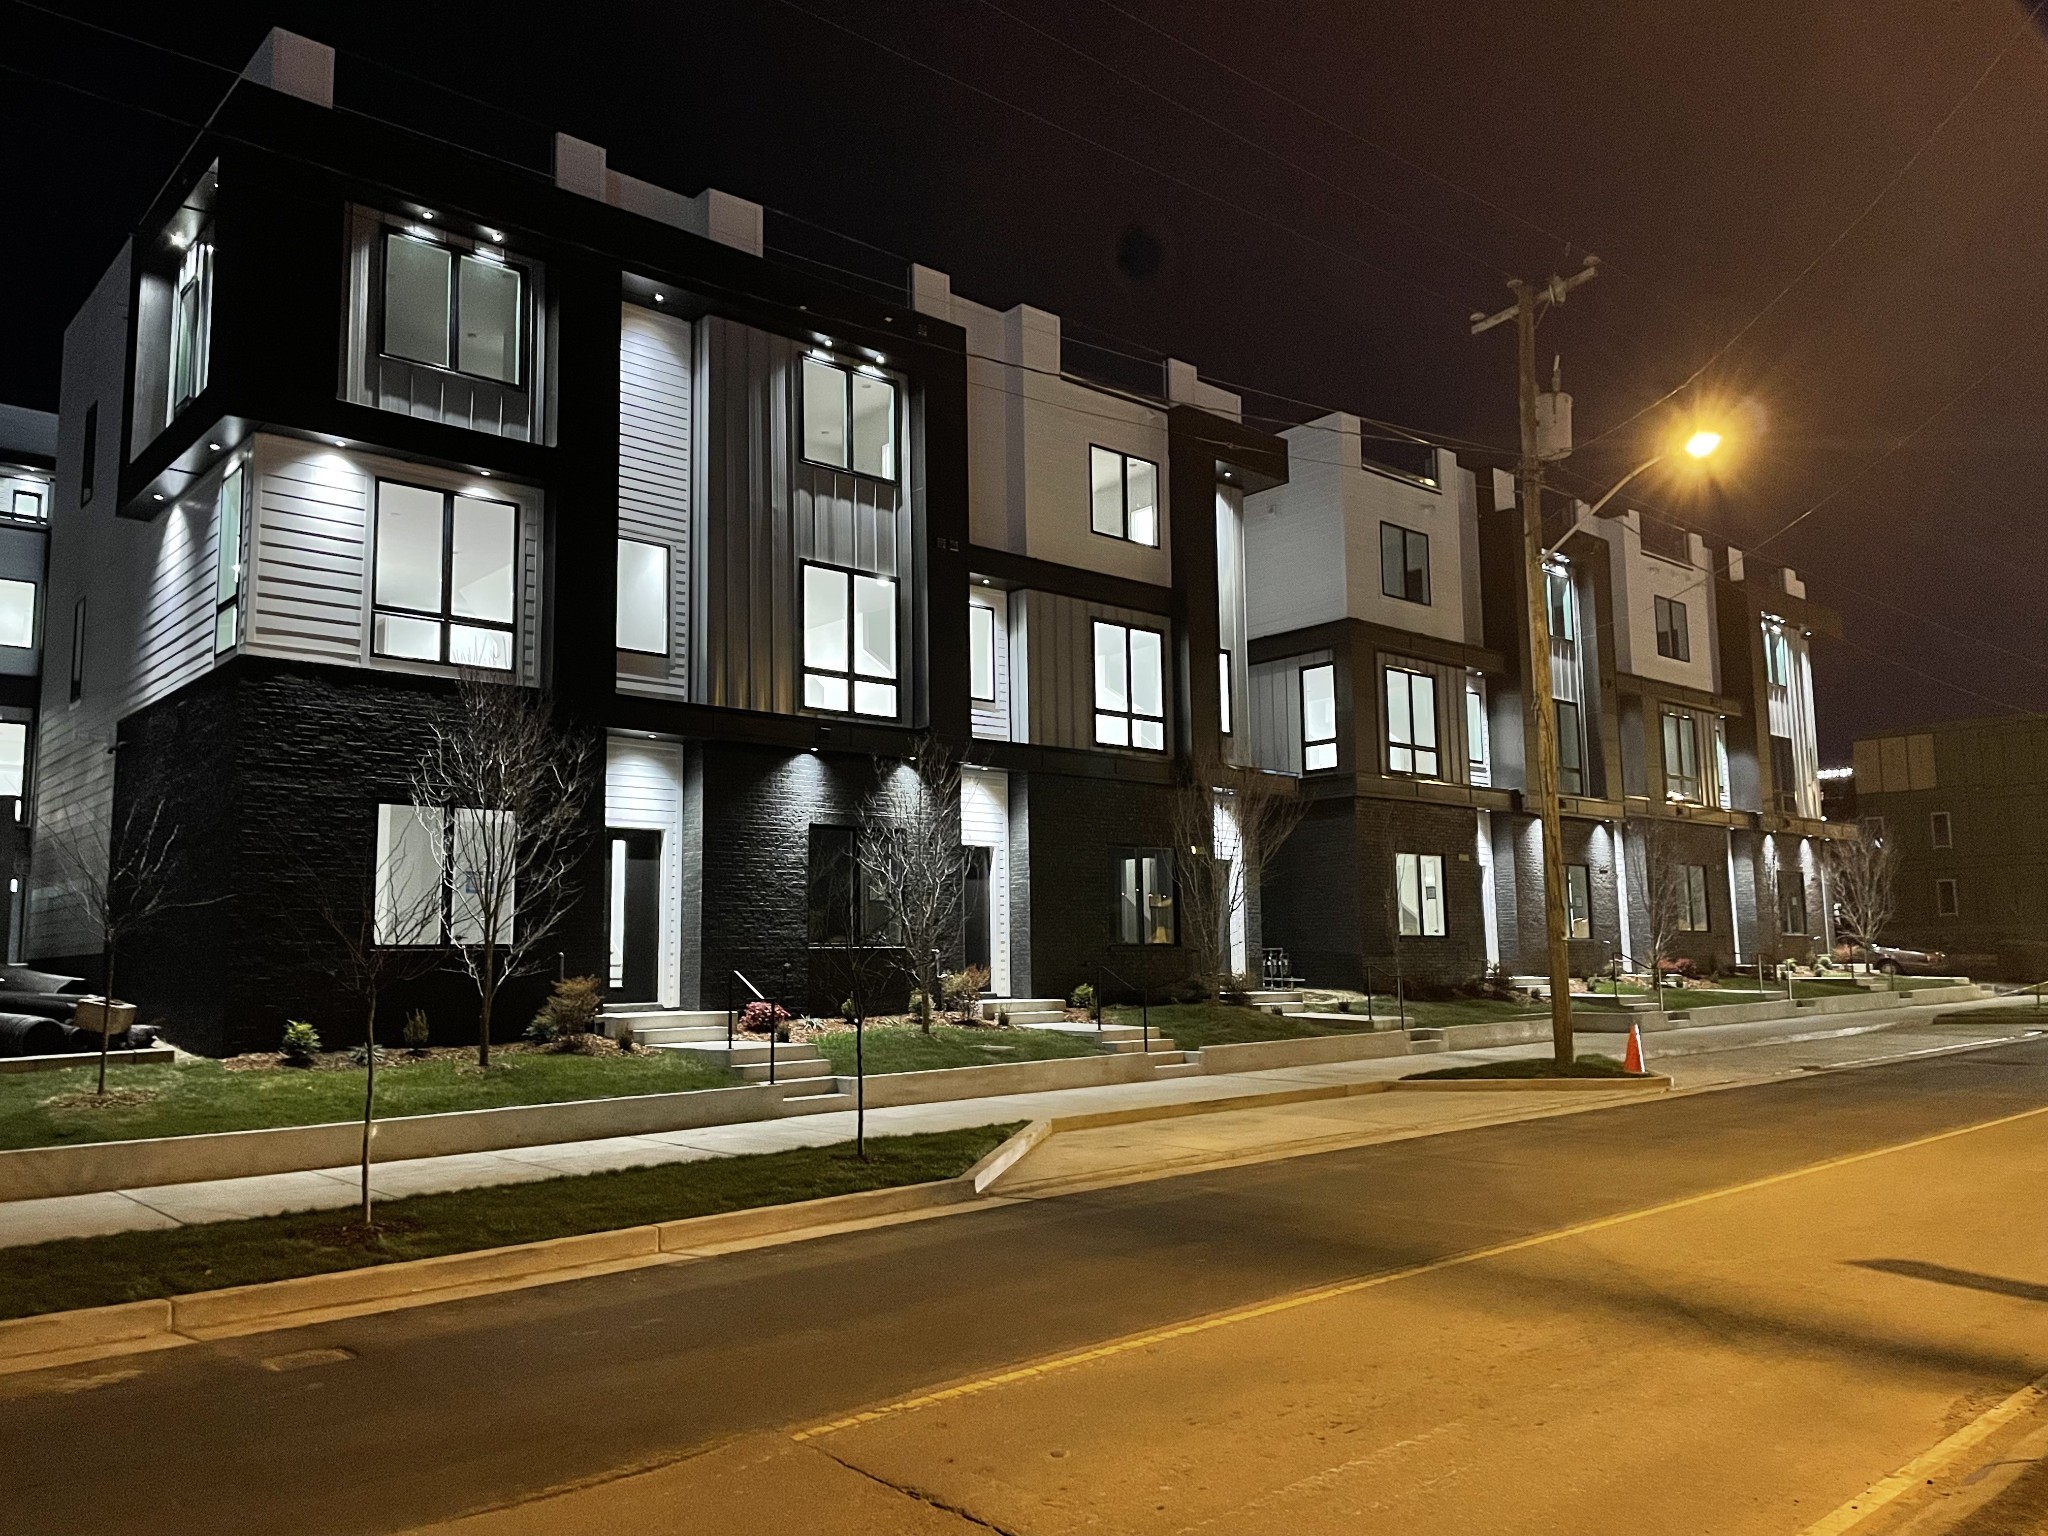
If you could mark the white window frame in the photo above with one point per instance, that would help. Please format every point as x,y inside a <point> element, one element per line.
<point>621,615</point>
<point>1408,755</point>
<point>1674,636</point>
<point>1318,751</point>
<point>1125,724</point>
<point>981,652</point>
<point>1941,830</point>
<point>813,369</point>
<point>34,512</point>
<point>445,617</point>
<point>1123,530</point>
<point>866,689</point>
<point>230,572</point>
<point>1419,894</point>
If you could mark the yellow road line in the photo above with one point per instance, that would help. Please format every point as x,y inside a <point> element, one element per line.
<point>1352,1287</point>
<point>1917,1472</point>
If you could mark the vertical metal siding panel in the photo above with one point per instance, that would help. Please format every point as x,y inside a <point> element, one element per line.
<point>656,456</point>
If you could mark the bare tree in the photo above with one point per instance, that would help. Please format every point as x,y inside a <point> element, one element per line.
<point>499,798</point>
<point>911,861</point>
<point>1665,894</point>
<point>1228,824</point>
<point>124,875</point>
<point>1862,875</point>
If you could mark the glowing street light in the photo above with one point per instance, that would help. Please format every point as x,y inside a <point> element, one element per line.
<point>1702,443</point>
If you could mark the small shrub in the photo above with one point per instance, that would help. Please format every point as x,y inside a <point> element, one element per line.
<point>846,1010</point>
<point>1002,1018</point>
<point>1343,1005</point>
<point>1082,997</point>
<point>569,1014</point>
<point>360,1055</point>
<point>1236,988</point>
<point>301,1041</point>
<point>921,1010</point>
<point>960,990</point>
<point>416,1032</point>
<point>1192,989</point>
<point>760,1017</point>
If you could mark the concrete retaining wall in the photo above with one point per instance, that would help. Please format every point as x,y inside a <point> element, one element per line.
<point>1480,1037</point>
<point>1267,1055</point>
<point>30,1173</point>
<point>886,1090</point>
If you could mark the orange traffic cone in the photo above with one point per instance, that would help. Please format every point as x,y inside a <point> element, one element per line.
<point>1632,1061</point>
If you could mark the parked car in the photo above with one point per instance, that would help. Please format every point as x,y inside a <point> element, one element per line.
<point>1894,961</point>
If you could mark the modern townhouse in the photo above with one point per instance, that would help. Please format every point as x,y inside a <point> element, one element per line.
<point>28,460</point>
<point>355,409</point>
<point>1108,655</point>
<point>1390,662</point>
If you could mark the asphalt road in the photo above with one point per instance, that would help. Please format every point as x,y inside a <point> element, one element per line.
<point>1737,1363</point>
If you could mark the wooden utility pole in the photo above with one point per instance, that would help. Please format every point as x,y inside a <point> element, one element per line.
<point>1541,715</point>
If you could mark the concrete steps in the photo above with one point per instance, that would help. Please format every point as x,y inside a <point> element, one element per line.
<point>1026,1012</point>
<point>664,1026</point>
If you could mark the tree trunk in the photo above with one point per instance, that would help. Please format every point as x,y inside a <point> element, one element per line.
<point>487,994</point>
<point>369,1096</point>
<point>106,1018</point>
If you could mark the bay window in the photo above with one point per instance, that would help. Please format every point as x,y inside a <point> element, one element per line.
<point>1145,911</point>
<point>1318,718</point>
<point>1419,886</point>
<point>1130,687</point>
<point>642,624</point>
<point>444,582</point>
<point>849,642</point>
<point>1124,495</point>
<point>463,311</point>
<point>849,418</point>
<point>1411,723</point>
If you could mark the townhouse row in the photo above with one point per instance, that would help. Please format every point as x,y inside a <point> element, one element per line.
<point>354,409</point>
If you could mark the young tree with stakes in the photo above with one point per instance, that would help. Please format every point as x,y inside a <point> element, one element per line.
<point>501,794</point>
<point>1228,824</point>
<point>911,860</point>
<point>1665,896</point>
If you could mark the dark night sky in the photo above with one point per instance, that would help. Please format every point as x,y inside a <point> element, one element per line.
<point>1307,202</point>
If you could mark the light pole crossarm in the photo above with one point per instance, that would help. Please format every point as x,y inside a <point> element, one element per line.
<point>1585,518</point>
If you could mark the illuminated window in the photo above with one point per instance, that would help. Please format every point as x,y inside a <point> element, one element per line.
<point>227,579</point>
<point>643,598</point>
<point>849,418</point>
<point>1130,687</point>
<point>981,652</point>
<point>1124,493</point>
<point>1411,723</point>
<point>444,577</point>
<point>1144,896</point>
<point>462,311</point>
<point>849,642</point>
<point>1419,885</point>
<point>1578,901</point>
<point>1318,718</point>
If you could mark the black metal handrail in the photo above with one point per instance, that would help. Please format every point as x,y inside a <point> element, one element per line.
<point>1144,1001</point>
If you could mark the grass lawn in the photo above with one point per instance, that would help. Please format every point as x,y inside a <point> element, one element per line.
<point>1585,1066</point>
<point>136,1266</point>
<point>902,1048</point>
<point>53,1108</point>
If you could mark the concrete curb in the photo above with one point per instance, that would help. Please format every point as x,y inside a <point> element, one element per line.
<point>147,1056</point>
<point>1652,1083</point>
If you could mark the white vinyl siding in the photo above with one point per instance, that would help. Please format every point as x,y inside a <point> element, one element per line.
<point>985,823</point>
<point>644,791</point>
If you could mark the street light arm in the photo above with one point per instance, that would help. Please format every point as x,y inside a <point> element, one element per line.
<point>1585,518</point>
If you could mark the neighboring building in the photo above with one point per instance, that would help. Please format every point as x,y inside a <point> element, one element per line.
<point>1965,805</point>
<point>1684,720</point>
<point>28,459</point>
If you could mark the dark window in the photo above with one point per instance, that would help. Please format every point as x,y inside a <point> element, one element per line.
<point>89,453</point>
<point>842,910</point>
<point>1673,640</point>
<point>1404,563</point>
<point>1784,777</point>
<point>78,651</point>
<point>1791,901</point>
<point>1693,915</point>
<point>1945,903</point>
<point>1571,749</point>
<point>1145,912</point>
<point>1940,830</point>
<point>1578,901</point>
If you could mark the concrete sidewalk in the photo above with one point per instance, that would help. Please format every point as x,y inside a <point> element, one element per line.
<point>1710,1056</point>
